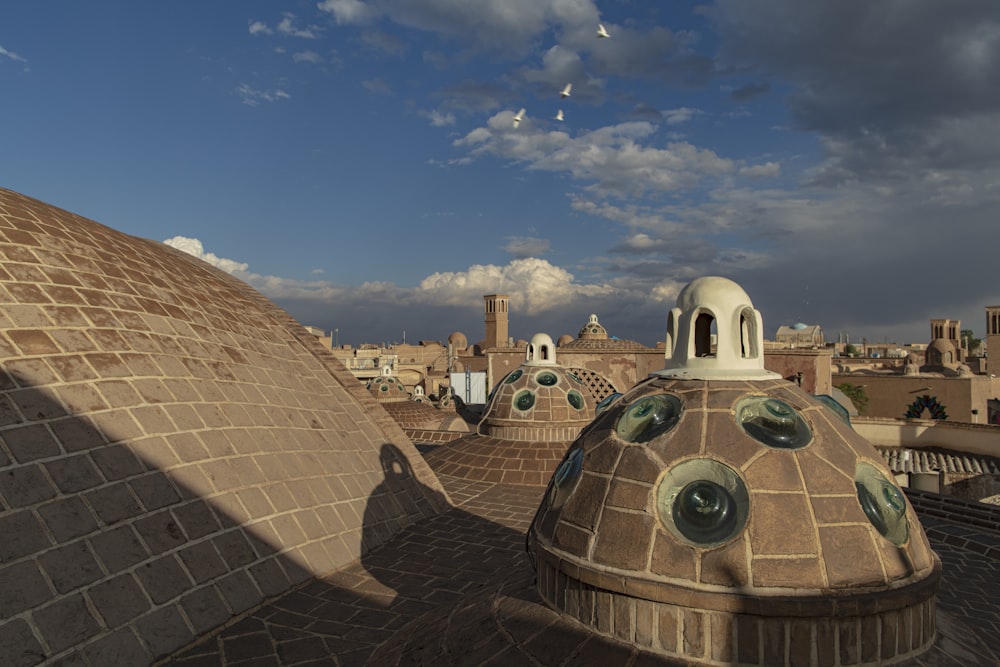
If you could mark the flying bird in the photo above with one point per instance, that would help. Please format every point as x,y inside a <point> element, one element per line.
<point>559,115</point>
<point>601,32</point>
<point>517,117</point>
<point>565,91</point>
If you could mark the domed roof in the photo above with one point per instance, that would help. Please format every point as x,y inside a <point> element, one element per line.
<point>532,414</point>
<point>593,336</point>
<point>458,340</point>
<point>941,345</point>
<point>593,329</point>
<point>159,412</point>
<point>386,387</point>
<point>745,500</point>
<point>565,338</point>
<point>799,326</point>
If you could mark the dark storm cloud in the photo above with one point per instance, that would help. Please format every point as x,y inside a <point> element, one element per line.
<point>892,86</point>
<point>749,91</point>
<point>658,53</point>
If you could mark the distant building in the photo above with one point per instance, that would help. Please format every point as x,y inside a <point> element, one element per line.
<point>993,339</point>
<point>950,331</point>
<point>800,335</point>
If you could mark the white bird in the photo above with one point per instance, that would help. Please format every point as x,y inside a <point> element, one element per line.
<point>517,117</point>
<point>601,32</point>
<point>565,91</point>
<point>559,115</point>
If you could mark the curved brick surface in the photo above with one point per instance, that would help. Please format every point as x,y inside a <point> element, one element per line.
<point>422,416</point>
<point>174,450</point>
<point>605,548</point>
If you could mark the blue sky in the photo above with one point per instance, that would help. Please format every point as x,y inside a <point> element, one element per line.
<point>357,161</point>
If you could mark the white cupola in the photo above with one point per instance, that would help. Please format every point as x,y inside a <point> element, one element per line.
<point>714,333</point>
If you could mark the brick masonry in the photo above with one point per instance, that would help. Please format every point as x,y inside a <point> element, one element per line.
<point>174,449</point>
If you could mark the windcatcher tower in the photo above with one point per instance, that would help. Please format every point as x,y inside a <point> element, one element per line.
<point>496,320</point>
<point>993,339</point>
<point>950,330</point>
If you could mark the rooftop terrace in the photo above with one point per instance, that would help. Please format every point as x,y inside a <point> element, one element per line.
<point>457,589</point>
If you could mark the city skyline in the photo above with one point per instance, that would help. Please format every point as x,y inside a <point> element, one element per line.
<point>359,164</point>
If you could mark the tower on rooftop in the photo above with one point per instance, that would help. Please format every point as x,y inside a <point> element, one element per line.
<point>496,320</point>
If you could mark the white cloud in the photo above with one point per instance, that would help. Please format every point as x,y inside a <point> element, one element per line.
<point>438,118</point>
<point>287,27</point>
<point>195,248</point>
<point>274,287</point>
<point>13,56</point>
<point>534,285</point>
<point>253,97</point>
<point>680,115</point>
<point>347,11</point>
<point>4,53</point>
<point>259,28</point>
<point>619,160</point>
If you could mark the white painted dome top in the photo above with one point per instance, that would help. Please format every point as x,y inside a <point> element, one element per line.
<point>714,333</point>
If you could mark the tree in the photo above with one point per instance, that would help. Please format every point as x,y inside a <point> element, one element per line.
<point>970,340</point>
<point>856,393</point>
<point>850,350</point>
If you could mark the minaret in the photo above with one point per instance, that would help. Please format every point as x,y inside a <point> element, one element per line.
<point>496,320</point>
<point>993,339</point>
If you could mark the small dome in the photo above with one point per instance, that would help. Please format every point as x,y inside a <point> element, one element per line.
<point>593,330</point>
<point>563,340</point>
<point>458,340</point>
<point>799,326</point>
<point>941,345</point>
<point>386,388</point>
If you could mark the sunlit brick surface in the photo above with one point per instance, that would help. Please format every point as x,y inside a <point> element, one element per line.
<point>175,449</point>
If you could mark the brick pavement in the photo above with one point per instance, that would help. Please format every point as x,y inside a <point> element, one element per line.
<point>457,589</point>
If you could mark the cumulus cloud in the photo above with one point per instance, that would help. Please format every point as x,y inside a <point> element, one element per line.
<point>274,287</point>
<point>195,248</point>
<point>619,160</point>
<point>543,296</point>
<point>534,285</point>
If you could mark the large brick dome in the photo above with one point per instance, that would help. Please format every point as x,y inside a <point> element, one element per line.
<point>174,449</point>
